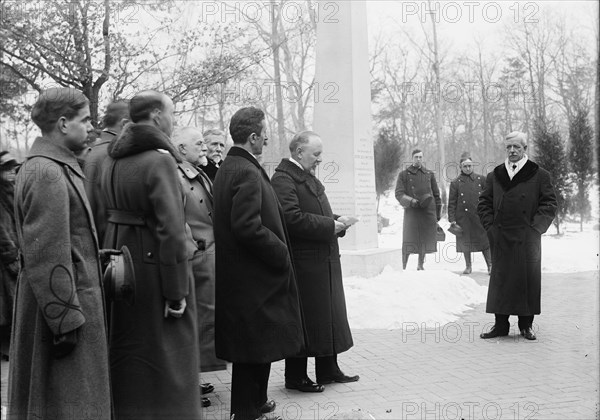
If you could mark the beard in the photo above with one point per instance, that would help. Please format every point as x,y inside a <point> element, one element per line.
<point>202,161</point>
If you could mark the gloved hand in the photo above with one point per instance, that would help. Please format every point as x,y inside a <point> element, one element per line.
<point>104,255</point>
<point>414,203</point>
<point>64,344</point>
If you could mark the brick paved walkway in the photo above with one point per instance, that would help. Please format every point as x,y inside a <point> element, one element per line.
<point>449,373</point>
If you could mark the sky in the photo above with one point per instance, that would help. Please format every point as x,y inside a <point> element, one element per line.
<point>460,22</point>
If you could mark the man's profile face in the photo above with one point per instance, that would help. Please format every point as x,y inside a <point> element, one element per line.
<point>310,154</point>
<point>417,159</point>
<point>216,145</point>
<point>260,140</point>
<point>77,130</point>
<point>195,150</point>
<point>515,150</point>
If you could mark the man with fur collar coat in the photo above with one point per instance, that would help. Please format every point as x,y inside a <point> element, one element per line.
<point>154,343</point>
<point>516,208</point>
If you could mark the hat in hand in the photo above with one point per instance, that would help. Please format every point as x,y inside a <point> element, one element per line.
<point>455,229</point>
<point>119,278</point>
<point>425,200</point>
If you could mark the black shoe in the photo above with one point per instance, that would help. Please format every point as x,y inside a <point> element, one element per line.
<point>340,378</point>
<point>304,385</point>
<point>207,388</point>
<point>420,267</point>
<point>493,333</point>
<point>206,402</point>
<point>528,333</point>
<point>468,270</point>
<point>268,407</point>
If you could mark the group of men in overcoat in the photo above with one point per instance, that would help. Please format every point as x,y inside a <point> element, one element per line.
<point>273,301</point>
<point>503,217</point>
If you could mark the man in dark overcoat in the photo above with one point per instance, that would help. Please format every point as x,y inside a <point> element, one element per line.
<point>313,230</point>
<point>417,191</point>
<point>516,208</point>
<point>258,318</point>
<point>59,354</point>
<point>154,342</point>
<point>462,210</point>
<point>115,117</point>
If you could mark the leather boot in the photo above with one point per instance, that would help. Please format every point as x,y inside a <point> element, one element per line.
<point>468,269</point>
<point>487,255</point>
<point>421,262</point>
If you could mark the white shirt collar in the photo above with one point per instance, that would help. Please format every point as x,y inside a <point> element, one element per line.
<point>509,166</point>
<point>296,162</point>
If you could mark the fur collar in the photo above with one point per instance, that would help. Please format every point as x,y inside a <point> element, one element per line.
<point>300,176</point>
<point>138,138</point>
<point>526,173</point>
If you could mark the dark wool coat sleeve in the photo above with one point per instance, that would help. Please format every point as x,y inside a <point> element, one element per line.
<point>452,201</point>
<point>301,224</point>
<point>546,210</point>
<point>485,207</point>
<point>246,223</point>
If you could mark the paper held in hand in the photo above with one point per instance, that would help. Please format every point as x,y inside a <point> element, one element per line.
<point>348,220</point>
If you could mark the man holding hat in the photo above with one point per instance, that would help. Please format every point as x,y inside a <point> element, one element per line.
<point>418,192</point>
<point>462,213</point>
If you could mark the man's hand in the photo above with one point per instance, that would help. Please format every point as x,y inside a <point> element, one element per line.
<point>64,344</point>
<point>339,226</point>
<point>105,254</point>
<point>414,203</point>
<point>175,308</point>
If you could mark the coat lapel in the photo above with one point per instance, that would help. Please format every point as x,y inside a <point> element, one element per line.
<point>525,174</point>
<point>67,159</point>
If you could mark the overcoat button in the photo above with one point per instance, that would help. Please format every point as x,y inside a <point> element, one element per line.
<point>149,255</point>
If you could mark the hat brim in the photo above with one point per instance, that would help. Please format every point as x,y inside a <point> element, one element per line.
<point>119,277</point>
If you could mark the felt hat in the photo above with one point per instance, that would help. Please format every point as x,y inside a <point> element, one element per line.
<point>119,278</point>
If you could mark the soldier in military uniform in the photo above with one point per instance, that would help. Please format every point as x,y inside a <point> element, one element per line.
<point>462,211</point>
<point>418,192</point>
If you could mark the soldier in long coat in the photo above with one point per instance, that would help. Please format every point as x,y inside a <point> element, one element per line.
<point>258,318</point>
<point>115,117</point>
<point>59,354</point>
<point>462,210</point>
<point>516,208</point>
<point>417,191</point>
<point>154,342</point>
<point>313,231</point>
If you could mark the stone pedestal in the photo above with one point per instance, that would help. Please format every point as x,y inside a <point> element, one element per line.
<point>342,117</point>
